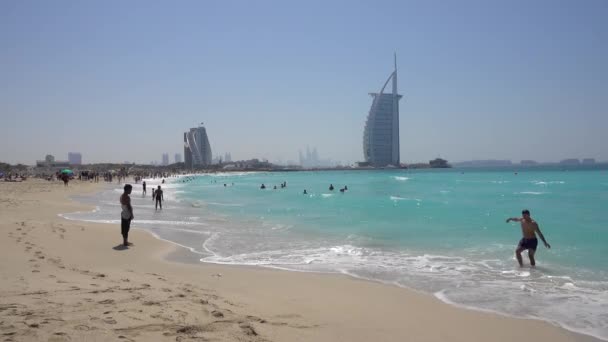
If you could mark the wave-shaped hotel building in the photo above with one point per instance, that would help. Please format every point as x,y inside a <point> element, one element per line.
<point>197,150</point>
<point>381,133</point>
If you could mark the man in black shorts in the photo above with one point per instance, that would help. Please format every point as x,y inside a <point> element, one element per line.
<point>159,198</point>
<point>529,229</point>
<point>127,213</point>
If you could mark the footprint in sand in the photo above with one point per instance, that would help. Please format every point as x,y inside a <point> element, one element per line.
<point>109,320</point>
<point>248,330</point>
<point>256,319</point>
<point>150,302</point>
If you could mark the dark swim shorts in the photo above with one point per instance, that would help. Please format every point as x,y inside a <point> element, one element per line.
<point>528,243</point>
<point>125,225</point>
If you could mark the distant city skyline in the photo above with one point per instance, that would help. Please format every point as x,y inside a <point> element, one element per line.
<point>514,80</point>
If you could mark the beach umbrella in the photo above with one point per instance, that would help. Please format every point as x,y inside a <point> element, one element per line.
<point>67,171</point>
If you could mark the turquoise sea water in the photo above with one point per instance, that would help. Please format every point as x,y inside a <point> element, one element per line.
<point>438,231</point>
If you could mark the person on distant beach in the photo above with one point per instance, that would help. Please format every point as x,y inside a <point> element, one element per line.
<point>529,229</point>
<point>331,187</point>
<point>127,214</point>
<point>144,186</point>
<point>305,193</point>
<point>65,179</point>
<point>159,199</point>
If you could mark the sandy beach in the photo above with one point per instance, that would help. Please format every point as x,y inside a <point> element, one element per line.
<point>64,280</point>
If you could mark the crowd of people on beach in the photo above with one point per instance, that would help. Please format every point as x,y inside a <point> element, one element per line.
<point>13,177</point>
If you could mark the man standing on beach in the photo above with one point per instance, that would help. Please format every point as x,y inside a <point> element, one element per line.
<point>529,229</point>
<point>144,186</point>
<point>127,214</point>
<point>159,198</point>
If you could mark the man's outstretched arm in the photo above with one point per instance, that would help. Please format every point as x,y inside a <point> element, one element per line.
<point>542,237</point>
<point>516,219</point>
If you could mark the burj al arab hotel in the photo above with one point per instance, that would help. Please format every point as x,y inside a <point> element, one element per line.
<point>381,133</point>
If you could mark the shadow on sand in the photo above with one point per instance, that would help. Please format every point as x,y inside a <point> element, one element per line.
<point>121,247</point>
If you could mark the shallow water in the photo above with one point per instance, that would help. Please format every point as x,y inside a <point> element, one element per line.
<point>439,231</point>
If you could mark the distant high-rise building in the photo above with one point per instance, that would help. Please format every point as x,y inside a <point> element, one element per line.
<point>528,162</point>
<point>197,150</point>
<point>49,161</point>
<point>572,161</point>
<point>178,158</point>
<point>165,159</point>
<point>75,158</point>
<point>312,159</point>
<point>381,133</point>
<point>227,158</point>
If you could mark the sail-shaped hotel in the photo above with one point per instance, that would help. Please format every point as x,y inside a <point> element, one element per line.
<point>381,133</point>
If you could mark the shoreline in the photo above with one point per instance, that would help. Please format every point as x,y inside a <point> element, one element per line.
<point>184,255</point>
<point>256,303</point>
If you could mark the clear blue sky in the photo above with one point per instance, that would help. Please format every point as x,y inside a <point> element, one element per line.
<point>122,80</point>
